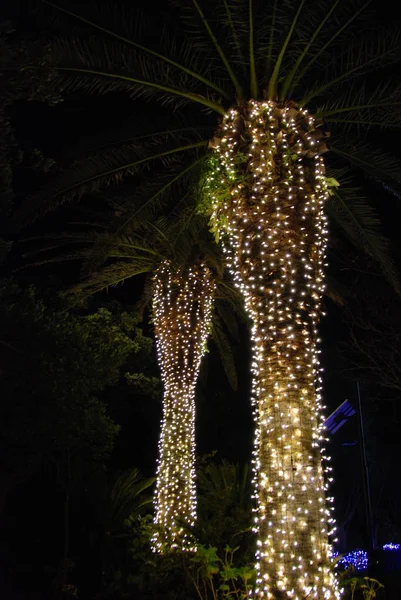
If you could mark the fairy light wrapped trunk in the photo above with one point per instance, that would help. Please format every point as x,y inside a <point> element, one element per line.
<point>268,192</point>
<point>182,306</point>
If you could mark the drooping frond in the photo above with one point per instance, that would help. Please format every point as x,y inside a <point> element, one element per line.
<point>354,105</point>
<point>96,67</point>
<point>224,347</point>
<point>106,168</point>
<point>227,293</point>
<point>127,497</point>
<point>164,58</point>
<point>225,313</point>
<point>308,45</point>
<point>113,275</point>
<point>349,209</point>
<point>358,58</point>
<point>377,164</point>
<point>332,35</point>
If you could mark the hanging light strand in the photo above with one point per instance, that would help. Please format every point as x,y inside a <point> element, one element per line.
<point>182,308</point>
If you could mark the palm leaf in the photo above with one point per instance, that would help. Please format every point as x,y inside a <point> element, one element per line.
<point>131,42</point>
<point>100,171</point>
<point>351,211</point>
<point>127,496</point>
<point>374,163</point>
<point>220,339</point>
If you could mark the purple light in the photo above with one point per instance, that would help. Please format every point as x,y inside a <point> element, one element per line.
<point>391,546</point>
<point>357,559</point>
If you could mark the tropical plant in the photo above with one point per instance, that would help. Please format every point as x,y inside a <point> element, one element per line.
<point>361,587</point>
<point>119,512</point>
<point>217,569</point>
<point>185,277</point>
<point>278,79</point>
<point>225,507</point>
<point>217,578</point>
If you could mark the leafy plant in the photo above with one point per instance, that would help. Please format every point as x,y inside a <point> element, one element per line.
<point>218,577</point>
<point>355,586</point>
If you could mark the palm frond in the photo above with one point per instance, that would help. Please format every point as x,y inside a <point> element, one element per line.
<point>177,176</point>
<point>383,167</point>
<point>272,85</point>
<point>335,34</point>
<point>227,292</point>
<point>231,15</point>
<point>382,48</point>
<point>113,275</point>
<point>252,60</point>
<point>220,339</point>
<point>219,49</point>
<point>99,171</point>
<point>131,42</point>
<point>96,66</point>
<point>355,98</point>
<point>356,217</point>
<point>309,44</point>
<point>127,496</point>
<point>229,318</point>
<point>136,132</point>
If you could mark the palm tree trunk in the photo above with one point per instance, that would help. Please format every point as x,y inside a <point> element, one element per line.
<point>274,233</point>
<point>182,312</point>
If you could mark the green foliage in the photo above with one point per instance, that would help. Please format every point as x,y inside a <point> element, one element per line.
<point>331,184</point>
<point>26,76</point>
<point>213,194</point>
<point>225,507</point>
<point>55,364</point>
<point>221,567</point>
<point>123,525</point>
<point>359,587</point>
<point>217,577</point>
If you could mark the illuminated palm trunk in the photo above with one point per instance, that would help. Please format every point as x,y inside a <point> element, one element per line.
<point>182,306</point>
<point>274,236</point>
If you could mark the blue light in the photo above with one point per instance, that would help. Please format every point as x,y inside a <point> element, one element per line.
<point>391,546</point>
<point>358,559</point>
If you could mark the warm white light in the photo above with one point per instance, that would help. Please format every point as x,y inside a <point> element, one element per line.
<point>182,306</point>
<point>268,195</point>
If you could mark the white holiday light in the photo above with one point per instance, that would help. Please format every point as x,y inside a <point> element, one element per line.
<point>274,234</point>
<point>182,307</point>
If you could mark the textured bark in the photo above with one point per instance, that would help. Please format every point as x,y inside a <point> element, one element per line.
<point>273,230</point>
<point>182,313</point>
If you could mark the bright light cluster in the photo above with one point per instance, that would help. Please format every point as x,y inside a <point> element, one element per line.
<point>391,547</point>
<point>274,232</point>
<point>182,307</point>
<point>358,559</point>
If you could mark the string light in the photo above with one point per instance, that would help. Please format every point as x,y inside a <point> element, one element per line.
<point>358,559</point>
<point>267,192</point>
<point>391,547</point>
<point>182,307</point>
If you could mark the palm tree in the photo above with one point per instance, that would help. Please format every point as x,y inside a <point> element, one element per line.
<point>191,300</point>
<point>182,306</point>
<point>264,85</point>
